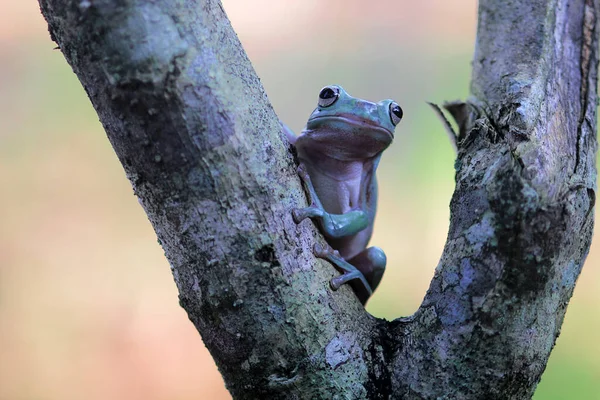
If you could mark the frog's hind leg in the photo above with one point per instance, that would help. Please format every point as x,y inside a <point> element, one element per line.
<point>371,262</point>
<point>351,274</point>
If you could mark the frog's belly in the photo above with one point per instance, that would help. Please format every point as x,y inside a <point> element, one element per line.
<point>338,196</point>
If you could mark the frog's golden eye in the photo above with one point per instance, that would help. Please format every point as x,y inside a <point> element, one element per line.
<point>395,113</point>
<point>328,95</point>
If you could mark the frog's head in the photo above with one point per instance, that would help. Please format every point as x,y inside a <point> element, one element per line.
<point>350,125</point>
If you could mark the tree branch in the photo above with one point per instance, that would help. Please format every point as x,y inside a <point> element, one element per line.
<point>198,139</point>
<point>521,224</point>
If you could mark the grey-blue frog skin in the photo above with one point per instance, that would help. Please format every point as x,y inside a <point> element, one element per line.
<point>339,150</point>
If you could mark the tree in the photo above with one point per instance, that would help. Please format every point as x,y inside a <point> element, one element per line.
<point>201,145</point>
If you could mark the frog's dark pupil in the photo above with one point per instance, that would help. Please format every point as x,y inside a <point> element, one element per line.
<point>397,111</point>
<point>327,93</point>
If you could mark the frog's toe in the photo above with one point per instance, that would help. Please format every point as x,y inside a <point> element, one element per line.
<point>320,251</point>
<point>340,280</point>
<point>298,215</point>
<point>302,172</point>
<point>356,276</point>
<point>335,283</point>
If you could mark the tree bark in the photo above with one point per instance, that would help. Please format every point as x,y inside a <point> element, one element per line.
<point>202,147</point>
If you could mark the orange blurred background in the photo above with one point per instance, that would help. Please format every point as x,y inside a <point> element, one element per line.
<point>88,307</point>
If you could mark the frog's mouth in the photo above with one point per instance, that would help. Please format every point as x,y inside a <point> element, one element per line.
<point>349,122</point>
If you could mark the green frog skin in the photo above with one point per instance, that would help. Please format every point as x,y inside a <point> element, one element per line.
<point>339,150</point>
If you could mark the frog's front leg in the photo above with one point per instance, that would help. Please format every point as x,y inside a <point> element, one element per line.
<point>332,225</point>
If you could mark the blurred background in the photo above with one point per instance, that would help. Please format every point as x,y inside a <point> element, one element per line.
<point>88,307</point>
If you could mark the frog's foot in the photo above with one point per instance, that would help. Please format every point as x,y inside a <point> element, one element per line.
<point>350,273</point>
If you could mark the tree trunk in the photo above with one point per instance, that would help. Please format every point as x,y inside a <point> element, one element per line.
<point>202,147</point>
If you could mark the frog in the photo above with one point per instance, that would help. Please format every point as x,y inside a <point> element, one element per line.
<point>338,152</point>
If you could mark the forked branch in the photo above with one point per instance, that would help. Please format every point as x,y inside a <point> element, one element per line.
<point>202,147</point>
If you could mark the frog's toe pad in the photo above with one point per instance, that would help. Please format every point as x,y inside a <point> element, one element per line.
<point>318,251</point>
<point>323,251</point>
<point>335,283</point>
<point>298,215</point>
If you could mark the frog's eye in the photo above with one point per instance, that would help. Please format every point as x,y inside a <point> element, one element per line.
<point>328,96</point>
<point>395,113</point>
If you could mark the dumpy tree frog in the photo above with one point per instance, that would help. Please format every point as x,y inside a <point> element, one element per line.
<point>339,150</point>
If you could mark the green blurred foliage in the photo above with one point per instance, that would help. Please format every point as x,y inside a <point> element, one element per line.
<point>88,308</point>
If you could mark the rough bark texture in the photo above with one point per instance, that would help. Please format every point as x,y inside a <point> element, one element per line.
<point>197,137</point>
